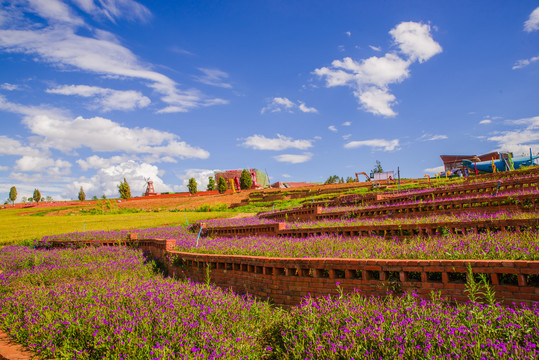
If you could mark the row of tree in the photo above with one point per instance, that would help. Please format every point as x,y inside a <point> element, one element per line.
<point>125,191</point>
<point>246,182</point>
<point>36,196</point>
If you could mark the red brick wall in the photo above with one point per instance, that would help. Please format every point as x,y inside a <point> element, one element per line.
<point>286,281</point>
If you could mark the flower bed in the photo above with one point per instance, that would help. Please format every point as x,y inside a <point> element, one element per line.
<point>119,313</point>
<point>465,216</point>
<point>499,246</point>
<point>356,327</point>
<point>131,313</point>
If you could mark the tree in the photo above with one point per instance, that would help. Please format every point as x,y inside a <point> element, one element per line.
<point>24,199</point>
<point>94,197</point>
<point>222,185</point>
<point>211,184</point>
<point>246,181</point>
<point>350,179</point>
<point>13,194</point>
<point>377,168</point>
<point>49,198</point>
<point>332,180</point>
<point>37,196</point>
<point>125,190</point>
<point>82,195</point>
<point>192,186</point>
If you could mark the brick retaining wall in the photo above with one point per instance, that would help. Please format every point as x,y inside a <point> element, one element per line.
<point>286,281</point>
<point>398,231</point>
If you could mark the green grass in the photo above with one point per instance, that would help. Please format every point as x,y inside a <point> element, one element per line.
<point>18,225</point>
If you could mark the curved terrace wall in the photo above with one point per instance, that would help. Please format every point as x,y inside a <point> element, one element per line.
<point>285,281</point>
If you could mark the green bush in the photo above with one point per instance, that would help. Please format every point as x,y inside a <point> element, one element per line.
<point>245,180</point>
<point>192,186</point>
<point>221,185</point>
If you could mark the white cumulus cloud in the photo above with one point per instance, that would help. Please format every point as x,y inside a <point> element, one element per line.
<point>370,78</point>
<point>293,158</point>
<point>278,104</point>
<point>532,23</point>
<point>519,140</point>
<point>431,137</point>
<point>375,144</point>
<point>281,142</point>
<point>106,99</point>
<point>435,170</point>
<point>55,130</point>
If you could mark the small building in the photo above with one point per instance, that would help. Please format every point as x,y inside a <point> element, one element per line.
<point>454,162</point>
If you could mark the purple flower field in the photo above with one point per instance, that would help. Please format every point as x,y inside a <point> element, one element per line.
<point>465,216</point>
<point>57,304</point>
<point>128,312</point>
<point>358,327</point>
<point>499,246</point>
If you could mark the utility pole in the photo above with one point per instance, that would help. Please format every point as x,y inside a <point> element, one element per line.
<point>399,176</point>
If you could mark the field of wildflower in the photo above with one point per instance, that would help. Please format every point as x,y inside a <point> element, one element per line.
<point>109,303</point>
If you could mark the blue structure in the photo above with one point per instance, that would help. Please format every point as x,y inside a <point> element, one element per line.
<point>504,163</point>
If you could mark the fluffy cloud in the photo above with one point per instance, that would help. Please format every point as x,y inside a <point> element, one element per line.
<point>485,121</point>
<point>375,48</point>
<point>346,123</point>
<point>107,179</point>
<point>281,142</point>
<point>430,137</point>
<point>9,87</point>
<point>115,9</point>
<point>304,108</point>
<point>279,104</point>
<point>43,164</point>
<point>213,77</point>
<point>61,45</point>
<point>332,128</point>
<point>106,99</point>
<point>375,144</point>
<point>14,147</point>
<point>294,159</point>
<point>435,170</point>
<point>519,140</point>
<point>525,62</point>
<point>370,78</point>
<point>55,130</point>
<point>96,162</point>
<point>532,23</point>
<point>414,40</point>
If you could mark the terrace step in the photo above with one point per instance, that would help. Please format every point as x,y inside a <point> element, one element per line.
<point>400,231</point>
<point>484,203</point>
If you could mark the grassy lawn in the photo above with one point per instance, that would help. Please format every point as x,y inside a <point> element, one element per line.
<point>24,224</point>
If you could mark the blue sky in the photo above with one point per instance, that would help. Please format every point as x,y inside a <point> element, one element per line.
<point>92,91</point>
